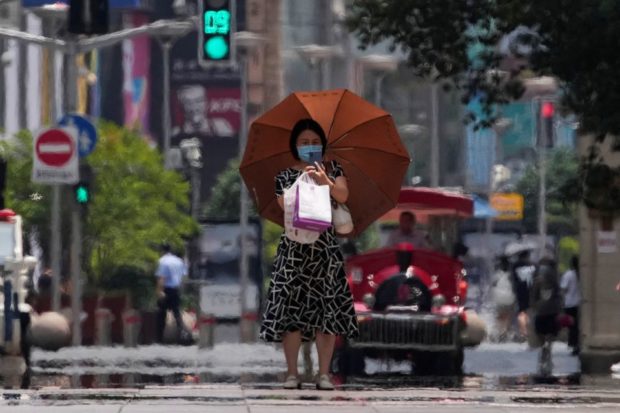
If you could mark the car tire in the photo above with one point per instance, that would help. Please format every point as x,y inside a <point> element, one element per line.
<point>450,363</point>
<point>348,361</point>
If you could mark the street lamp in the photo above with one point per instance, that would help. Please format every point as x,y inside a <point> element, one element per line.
<point>167,32</point>
<point>382,64</point>
<point>246,42</point>
<point>316,56</point>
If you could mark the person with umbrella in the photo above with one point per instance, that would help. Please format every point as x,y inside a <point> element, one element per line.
<point>309,296</point>
<point>353,147</point>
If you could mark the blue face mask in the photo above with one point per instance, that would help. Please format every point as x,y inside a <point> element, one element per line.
<point>310,153</point>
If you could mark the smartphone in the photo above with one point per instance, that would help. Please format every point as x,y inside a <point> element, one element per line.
<point>315,157</point>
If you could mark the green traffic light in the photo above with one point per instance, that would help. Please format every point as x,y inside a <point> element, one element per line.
<point>216,48</point>
<point>82,195</point>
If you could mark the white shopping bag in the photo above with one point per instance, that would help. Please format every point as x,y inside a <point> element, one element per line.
<point>303,236</point>
<point>313,208</point>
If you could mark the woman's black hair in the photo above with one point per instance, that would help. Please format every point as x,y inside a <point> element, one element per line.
<point>301,126</point>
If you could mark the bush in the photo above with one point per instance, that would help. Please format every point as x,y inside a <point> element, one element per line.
<point>139,283</point>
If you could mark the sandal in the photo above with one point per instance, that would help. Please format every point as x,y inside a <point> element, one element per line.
<point>292,382</point>
<point>324,383</point>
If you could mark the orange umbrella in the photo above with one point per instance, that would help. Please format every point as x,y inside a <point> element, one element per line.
<point>360,136</point>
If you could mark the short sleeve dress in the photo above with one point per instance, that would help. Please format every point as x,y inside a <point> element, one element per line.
<point>308,290</point>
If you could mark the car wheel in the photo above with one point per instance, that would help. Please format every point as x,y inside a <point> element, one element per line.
<point>450,363</point>
<point>348,361</point>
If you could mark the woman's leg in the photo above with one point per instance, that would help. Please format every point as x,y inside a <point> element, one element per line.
<point>325,347</point>
<point>291,341</point>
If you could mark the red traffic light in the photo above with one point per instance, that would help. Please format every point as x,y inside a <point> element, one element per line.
<point>547,109</point>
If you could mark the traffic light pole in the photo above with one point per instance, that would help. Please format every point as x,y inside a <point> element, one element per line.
<point>76,218</point>
<point>244,321</point>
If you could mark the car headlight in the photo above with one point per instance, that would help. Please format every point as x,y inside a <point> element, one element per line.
<point>369,300</point>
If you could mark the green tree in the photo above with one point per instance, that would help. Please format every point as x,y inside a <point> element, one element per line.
<point>136,204</point>
<point>457,41</point>
<point>562,168</point>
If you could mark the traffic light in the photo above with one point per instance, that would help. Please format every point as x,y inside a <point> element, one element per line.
<point>88,17</point>
<point>217,25</point>
<point>547,115</point>
<point>82,193</point>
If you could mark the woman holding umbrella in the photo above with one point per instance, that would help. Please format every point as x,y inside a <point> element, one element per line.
<point>309,297</point>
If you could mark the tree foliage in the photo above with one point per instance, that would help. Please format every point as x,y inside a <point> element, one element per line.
<point>136,203</point>
<point>562,168</point>
<point>458,41</point>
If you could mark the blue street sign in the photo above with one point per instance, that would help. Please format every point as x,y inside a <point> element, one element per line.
<point>87,134</point>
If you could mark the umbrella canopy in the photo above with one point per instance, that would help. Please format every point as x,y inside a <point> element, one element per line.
<point>360,136</point>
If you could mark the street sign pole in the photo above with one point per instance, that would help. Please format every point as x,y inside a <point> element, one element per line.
<point>76,219</point>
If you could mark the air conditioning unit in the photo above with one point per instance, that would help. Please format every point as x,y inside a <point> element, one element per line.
<point>10,14</point>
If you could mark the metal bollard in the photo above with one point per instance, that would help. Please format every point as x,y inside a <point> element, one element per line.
<point>103,327</point>
<point>206,325</point>
<point>247,326</point>
<point>131,327</point>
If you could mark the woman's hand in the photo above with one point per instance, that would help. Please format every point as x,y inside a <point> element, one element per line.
<point>317,172</point>
<point>338,188</point>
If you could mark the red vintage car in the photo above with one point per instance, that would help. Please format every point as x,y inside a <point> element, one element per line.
<point>410,302</point>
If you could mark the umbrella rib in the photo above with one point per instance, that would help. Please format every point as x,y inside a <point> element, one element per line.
<point>344,135</point>
<point>370,180</point>
<point>357,148</point>
<point>275,155</point>
<point>331,126</point>
<point>258,122</point>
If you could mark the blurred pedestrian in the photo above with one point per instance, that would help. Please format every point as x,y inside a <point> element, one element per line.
<point>546,302</point>
<point>309,297</point>
<point>503,296</point>
<point>522,278</point>
<point>408,233</point>
<point>170,273</point>
<point>572,300</point>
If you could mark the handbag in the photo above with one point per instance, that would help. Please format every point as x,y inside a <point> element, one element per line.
<point>313,210</point>
<point>341,216</point>
<point>301,236</point>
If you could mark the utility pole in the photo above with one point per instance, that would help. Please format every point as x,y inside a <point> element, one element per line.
<point>434,135</point>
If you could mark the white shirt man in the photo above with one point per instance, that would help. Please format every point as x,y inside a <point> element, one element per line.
<point>170,273</point>
<point>570,287</point>
<point>171,270</point>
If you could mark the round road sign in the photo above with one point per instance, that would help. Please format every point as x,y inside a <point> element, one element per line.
<point>54,147</point>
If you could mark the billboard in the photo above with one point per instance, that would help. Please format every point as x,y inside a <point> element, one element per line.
<point>205,104</point>
<point>136,79</point>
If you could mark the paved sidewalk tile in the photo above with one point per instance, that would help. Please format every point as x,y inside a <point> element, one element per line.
<point>183,408</point>
<point>84,408</point>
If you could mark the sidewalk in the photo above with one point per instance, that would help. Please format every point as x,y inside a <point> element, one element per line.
<point>232,398</point>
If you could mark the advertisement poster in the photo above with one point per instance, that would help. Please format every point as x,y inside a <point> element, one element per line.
<point>205,104</point>
<point>136,66</point>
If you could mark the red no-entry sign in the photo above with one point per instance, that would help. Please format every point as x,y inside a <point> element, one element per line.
<point>55,156</point>
<point>55,147</point>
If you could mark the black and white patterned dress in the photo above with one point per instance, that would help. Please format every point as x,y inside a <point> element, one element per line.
<point>308,290</point>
